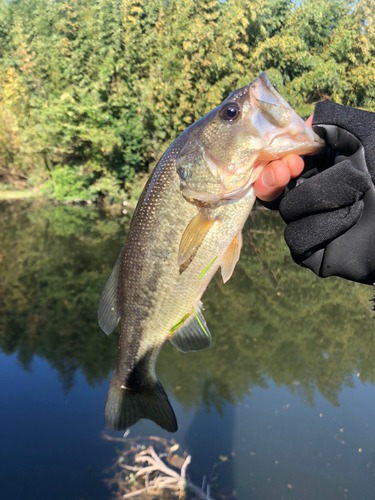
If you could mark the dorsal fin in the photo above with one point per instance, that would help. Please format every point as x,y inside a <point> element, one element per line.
<point>108,311</point>
<point>231,257</point>
<point>191,333</point>
<point>194,234</point>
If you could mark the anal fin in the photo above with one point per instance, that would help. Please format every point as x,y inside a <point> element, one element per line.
<point>193,334</point>
<point>231,257</point>
<point>194,234</point>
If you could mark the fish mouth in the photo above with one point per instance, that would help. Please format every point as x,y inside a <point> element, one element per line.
<point>302,142</point>
<point>268,89</point>
<point>275,120</point>
<point>270,103</point>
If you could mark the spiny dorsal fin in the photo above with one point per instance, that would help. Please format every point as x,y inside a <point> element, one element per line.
<point>193,333</point>
<point>108,312</point>
<point>194,234</point>
<point>231,257</point>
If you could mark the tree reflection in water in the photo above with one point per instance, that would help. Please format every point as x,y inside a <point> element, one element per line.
<point>272,320</point>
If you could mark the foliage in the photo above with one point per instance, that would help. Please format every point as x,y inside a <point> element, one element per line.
<point>68,184</point>
<point>75,184</point>
<point>112,83</point>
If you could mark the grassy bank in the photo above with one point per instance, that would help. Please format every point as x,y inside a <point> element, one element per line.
<point>71,190</point>
<point>18,194</point>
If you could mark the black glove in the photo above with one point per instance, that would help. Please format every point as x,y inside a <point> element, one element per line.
<point>331,210</point>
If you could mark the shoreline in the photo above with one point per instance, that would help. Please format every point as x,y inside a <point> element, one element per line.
<point>20,194</point>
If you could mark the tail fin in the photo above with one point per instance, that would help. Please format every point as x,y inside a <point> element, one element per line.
<point>124,407</point>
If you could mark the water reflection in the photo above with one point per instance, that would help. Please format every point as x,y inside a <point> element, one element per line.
<point>272,320</point>
<point>53,262</point>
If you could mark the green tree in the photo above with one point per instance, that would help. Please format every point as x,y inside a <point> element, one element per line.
<point>106,85</point>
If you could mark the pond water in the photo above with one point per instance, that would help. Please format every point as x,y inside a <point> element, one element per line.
<point>281,406</point>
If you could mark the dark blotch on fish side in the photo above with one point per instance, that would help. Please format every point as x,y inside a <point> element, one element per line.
<point>184,173</point>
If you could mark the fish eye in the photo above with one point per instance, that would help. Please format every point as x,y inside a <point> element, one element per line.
<point>230,112</point>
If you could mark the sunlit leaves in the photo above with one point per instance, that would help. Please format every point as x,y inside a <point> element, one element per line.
<point>114,82</point>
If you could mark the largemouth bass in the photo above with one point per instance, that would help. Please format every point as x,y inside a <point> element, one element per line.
<point>187,224</point>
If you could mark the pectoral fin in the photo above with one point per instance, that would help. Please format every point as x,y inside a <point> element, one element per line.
<point>191,333</point>
<point>194,234</point>
<point>231,257</point>
<point>108,311</point>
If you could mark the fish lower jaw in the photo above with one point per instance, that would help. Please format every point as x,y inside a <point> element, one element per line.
<point>277,151</point>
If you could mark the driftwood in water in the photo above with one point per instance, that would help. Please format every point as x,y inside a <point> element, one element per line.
<point>142,472</point>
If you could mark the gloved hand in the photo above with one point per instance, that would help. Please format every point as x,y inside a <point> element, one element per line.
<point>331,210</point>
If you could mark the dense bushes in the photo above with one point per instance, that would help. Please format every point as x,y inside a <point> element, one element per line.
<point>93,89</point>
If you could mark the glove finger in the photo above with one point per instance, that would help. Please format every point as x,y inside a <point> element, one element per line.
<point>317,163</point>
<point>307,235</point>
<point>313,166</point>
<point>357,121</point>
<point>341,127</point>
<point>340,186</point>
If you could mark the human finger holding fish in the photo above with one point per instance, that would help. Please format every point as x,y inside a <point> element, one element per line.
<point>276,175</point>
<point>187,225</point>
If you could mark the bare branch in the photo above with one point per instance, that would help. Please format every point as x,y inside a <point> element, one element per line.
<point>184,466</point>
<point>155,472</point>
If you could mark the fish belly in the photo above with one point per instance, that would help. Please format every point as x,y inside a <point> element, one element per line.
<point>165,295</point>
